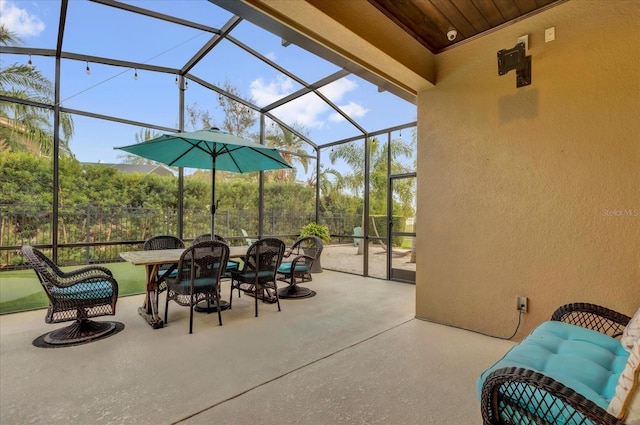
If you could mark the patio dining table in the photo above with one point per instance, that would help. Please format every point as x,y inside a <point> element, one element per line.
<point>152,260</point>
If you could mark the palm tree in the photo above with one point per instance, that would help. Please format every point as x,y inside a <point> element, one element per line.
<point>353,154</point>
<point>25,127</point>
<point>292,148</point>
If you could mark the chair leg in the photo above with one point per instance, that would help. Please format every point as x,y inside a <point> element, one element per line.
<point>231,296</point>
<point>256,297</point>
<point>275,286</point>
<point>218,308</point>
<point>191,318</point>
<point>166,307</point>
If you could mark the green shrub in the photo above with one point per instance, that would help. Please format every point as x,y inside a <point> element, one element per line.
<point>315,229</point>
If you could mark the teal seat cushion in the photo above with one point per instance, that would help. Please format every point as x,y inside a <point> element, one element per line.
<point>582,359</point>
<point>84,291</point>
<point>285,268</point>
<point>232,265</point>
<point>173,273</point>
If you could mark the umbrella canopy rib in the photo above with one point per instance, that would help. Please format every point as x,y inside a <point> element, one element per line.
<point>196,145</point>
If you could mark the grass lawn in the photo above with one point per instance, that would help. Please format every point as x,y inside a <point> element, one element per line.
<point>20,289</point>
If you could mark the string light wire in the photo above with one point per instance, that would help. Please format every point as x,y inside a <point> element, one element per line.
<point>129,69</point>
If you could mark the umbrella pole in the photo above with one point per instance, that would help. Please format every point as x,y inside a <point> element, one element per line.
<point>205,306</point>
<point>213,193</point>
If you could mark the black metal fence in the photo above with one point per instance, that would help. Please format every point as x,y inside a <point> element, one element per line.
<point>97,235</point>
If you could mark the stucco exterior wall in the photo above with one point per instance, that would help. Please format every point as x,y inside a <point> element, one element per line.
<point>532,191</point>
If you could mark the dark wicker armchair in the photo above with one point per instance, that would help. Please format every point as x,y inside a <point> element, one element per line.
<point>207,237</point>
<point>258,274</point>
<point>296,266</point>
<point>198,277</point>
<point>164,242</point>
<point>507,393</point>
<point>76,295</point>
<point>231,264</point>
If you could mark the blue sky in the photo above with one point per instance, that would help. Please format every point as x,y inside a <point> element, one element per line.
<point>103,31</point>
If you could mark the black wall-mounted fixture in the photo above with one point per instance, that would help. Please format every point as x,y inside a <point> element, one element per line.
<point>515,58</point>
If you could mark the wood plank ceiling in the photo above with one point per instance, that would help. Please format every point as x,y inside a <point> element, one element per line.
<point>429,21</point>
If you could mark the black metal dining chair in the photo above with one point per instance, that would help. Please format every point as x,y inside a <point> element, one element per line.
<point>231,264</point>
<point>164,242</point>
<point>258,274</point>
<point>199,271</point>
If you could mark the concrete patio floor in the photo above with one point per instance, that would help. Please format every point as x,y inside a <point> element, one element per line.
<point>353,354</point>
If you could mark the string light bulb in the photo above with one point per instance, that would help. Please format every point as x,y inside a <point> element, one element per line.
<point>186,84</point>
<point>176,79</point>
<point>135,74</point>
<point>30,64</point>
<point>400,135</point>
<point>88,70</point>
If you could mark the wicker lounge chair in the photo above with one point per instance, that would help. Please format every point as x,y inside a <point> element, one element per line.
<point>76,295</point>
<point>258,274</point>
<point>519,395</point>
<point>296,266</point>
<point>198,277</point>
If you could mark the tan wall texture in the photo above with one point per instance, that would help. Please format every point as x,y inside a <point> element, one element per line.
<point>532,191</point>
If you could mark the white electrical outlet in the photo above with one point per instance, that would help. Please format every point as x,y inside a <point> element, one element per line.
<point>522,304</point>
<point>549,34</point>
<point>524,39</point>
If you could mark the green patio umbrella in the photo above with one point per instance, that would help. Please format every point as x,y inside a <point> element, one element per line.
<point>211,149</point>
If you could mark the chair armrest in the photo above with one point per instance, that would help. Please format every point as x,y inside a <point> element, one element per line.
<point>66,282</point>
<point>510,394</point>
<point>288,253</point>
<point>298,258</point>
<point>89,270</point>
<point>593,317</point>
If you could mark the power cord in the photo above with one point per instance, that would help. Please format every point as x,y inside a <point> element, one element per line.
<point>517,327</point>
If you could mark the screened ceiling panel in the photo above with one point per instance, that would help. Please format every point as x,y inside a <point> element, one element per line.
<point>138,38</point>
<point>365,104</point>
<point>48,11</point>
<point>151,98</point>
<point>314,114</point>
<point>303,64</point>
<point>257,82</point>
<point>199,11</point>
<point>162,40</point>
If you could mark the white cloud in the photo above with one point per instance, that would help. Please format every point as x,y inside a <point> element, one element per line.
<point>265,93</point>
<point>304,111</point>
<point>309,110</point>
<point>352,109</point>
<point>19,21</point>
<point>336,90</point>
